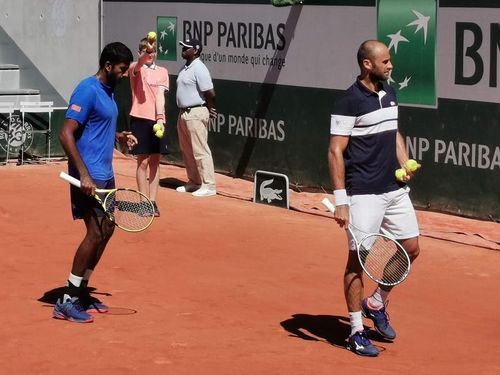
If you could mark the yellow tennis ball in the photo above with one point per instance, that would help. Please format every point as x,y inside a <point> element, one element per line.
<point>151,36</point>
<point>400,174</point>
<point>156,127</point>
<point>159,133</point>
<point>412,165</point>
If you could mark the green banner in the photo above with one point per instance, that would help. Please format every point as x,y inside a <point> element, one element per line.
<point>408,28</point>
<point>167,38</point>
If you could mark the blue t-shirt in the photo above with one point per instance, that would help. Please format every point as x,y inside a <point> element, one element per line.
<point>370,119</point>
<point>93,106</point>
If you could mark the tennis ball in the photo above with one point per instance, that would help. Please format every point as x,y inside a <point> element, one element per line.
<point>151,36</point>
<point>412,165</point>
<point>400,174</point>
<point>156,127</point>
<point>159,133</point>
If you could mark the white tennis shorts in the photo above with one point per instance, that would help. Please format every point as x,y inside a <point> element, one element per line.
<point>390,213</point>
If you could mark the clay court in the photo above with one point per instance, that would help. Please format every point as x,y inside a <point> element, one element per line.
<point>222,285</point>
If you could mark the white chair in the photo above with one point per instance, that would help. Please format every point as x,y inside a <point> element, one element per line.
<point>7,108</point>
<point>38,107</point>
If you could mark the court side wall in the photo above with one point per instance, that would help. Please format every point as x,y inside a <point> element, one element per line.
<point>277,79</point>
<point>55,43</point>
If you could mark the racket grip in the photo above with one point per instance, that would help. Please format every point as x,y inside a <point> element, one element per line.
<point>328,205</point>
<point>73,181</point>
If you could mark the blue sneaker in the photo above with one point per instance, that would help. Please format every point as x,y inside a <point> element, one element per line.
<point>71,310</point>
<point>361,345</point>
<point>92,304</point>
<point>380,320</point>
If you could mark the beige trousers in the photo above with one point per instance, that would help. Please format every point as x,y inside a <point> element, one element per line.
<point>192,127</point>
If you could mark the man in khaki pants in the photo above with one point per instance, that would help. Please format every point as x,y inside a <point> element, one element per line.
<point>195,99</point>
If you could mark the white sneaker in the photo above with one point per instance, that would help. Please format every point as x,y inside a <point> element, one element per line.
<point>188,188</point>
<point>205,191</point>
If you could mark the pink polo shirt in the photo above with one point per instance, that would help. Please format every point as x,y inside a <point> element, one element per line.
<point>144,86</point>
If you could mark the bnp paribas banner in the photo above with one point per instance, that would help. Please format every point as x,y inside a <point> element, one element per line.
<point>252,42</point>
<point>408,27</point>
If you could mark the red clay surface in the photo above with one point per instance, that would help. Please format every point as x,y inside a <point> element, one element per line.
<point>224,286</point>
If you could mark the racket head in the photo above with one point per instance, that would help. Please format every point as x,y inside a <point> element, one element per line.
<point>129,209</point>
<point>383,259</point>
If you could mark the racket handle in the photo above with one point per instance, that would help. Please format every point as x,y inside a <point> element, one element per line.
<point>328,205</point>
<point>73,181</point>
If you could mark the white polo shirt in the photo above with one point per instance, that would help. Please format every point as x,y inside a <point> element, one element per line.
<point>192,81</point>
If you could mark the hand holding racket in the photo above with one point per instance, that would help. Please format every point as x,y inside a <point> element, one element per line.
<point>382,258</point>
<point>128,209</point>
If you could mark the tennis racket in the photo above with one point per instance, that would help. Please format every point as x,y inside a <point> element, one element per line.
<point>382,258</point>
<point>128,209</point>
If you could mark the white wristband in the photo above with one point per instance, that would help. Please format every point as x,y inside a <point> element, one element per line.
<point>340,197</point>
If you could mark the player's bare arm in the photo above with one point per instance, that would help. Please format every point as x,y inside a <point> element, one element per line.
<point>67,139</point>
<point>402,156</point>
<point>338,144</point>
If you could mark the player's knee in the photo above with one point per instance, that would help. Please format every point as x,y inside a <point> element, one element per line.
<point>412,247</point>
<point>143,165</point>
<point>414,253</point>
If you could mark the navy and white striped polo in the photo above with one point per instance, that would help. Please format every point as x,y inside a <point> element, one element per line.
<point>370,119</point>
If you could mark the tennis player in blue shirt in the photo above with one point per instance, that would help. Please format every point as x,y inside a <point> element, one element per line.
<point>88,138</point>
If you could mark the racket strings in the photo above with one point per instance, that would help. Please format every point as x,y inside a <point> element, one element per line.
<point>129,209</point>
<point>384,260</point>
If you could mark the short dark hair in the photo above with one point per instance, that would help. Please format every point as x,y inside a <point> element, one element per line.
<point>115,53</point>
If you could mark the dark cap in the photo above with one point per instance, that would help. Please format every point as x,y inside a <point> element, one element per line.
<point>191,43</point>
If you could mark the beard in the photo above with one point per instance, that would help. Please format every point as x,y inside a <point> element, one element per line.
<point>111,79</point>
<point>380,76</point>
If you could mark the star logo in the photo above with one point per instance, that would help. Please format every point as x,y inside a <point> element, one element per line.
<point>167,41</point>
<point>421,22</point>
<point>404,84</point>
<point>395,39</point>
<point>408,28</point>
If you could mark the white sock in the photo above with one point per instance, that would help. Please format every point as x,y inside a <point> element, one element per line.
<point>76,281</point>
<point>378,299</point>
<point>356,322</point>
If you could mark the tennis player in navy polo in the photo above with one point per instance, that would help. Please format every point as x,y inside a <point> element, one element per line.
<point>365,150</point>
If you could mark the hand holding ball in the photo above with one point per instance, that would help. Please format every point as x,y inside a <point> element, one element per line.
<point>400,174</point>
<point>158,130</point>
<point>412,165</point>
<point>151,37</point>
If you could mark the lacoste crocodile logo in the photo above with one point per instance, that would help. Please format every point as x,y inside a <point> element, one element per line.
<point>269,194</point>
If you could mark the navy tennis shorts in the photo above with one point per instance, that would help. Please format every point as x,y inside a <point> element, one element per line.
<point>81,203</point>
<point>148,142</point>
